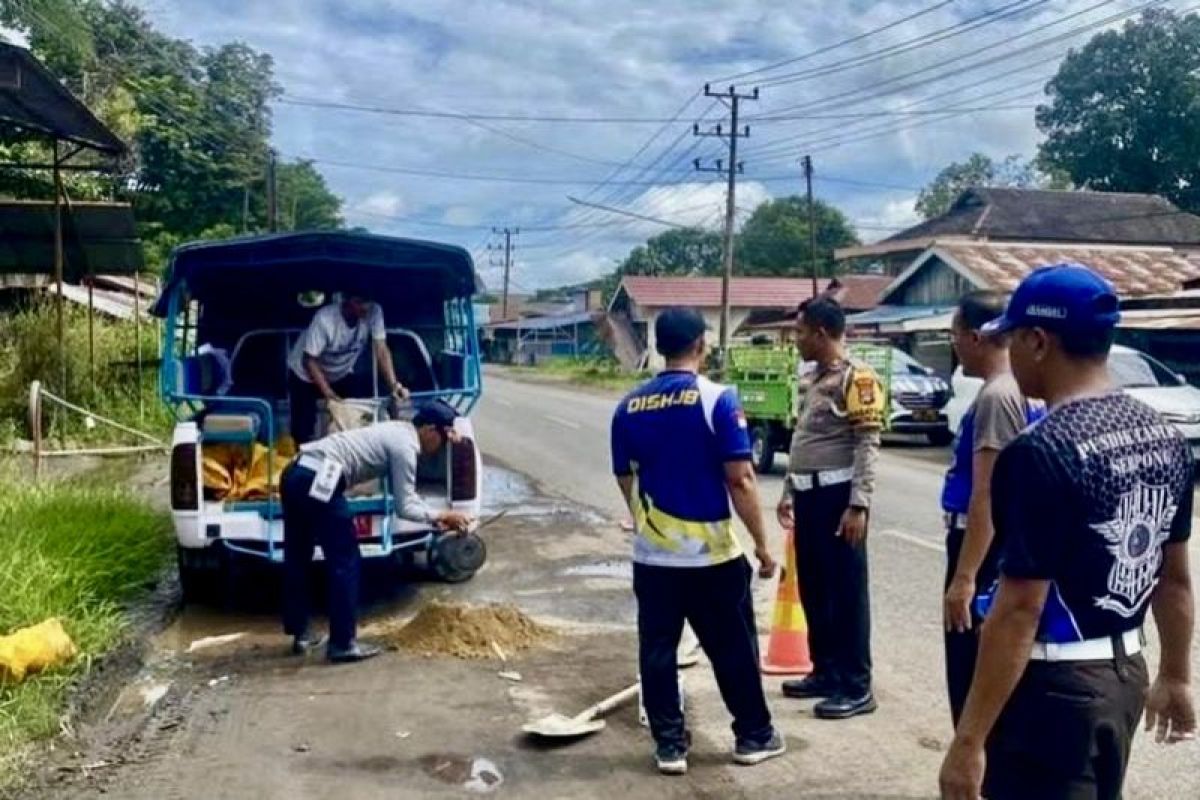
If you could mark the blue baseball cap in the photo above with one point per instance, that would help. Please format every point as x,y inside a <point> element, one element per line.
<point>435,412</point>
<point>1060,298</point>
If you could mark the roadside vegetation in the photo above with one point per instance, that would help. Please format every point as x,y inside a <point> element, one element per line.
<point>600,373</point>
<point>29,352</point>
<point>80,551</point>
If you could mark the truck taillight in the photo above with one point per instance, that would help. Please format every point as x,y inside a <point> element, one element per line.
<point>185,478</point>
<point>463,477</point>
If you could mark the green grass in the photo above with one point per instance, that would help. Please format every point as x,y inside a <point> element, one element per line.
<point>596,372</point>
<point>29,351</point>
<point>81,552</point>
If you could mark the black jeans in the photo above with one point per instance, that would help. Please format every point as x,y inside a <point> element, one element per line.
<point>963,648</point>
<point>1066,732</point>
<point>306,523</point>
<point>304,396</point>
<point>833,590</point>
<point>716,602</point>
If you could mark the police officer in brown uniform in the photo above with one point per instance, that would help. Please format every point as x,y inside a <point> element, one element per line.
<point>831,474</point>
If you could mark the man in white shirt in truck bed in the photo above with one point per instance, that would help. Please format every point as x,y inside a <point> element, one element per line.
<point>321,364</point>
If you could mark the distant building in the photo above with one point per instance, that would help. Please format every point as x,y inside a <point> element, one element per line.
<point>537,331</point>
<point>1038,217</point>
<point>762,304</point>
<point>992,238</point>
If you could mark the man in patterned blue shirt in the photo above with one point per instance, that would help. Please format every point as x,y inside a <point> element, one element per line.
<point>680,453</point>
<point>1092,508</point>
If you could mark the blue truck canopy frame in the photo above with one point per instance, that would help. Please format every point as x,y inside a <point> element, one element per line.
<point>240,286</point>
<point>254,283</point>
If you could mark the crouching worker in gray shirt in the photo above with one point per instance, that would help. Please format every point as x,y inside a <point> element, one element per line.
<point>315,512</point>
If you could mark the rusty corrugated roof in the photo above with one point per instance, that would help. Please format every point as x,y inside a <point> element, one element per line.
<point>661,291</point>
<point>1134,271</point>
<point>1071,216</point>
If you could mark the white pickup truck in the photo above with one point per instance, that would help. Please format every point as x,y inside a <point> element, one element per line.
<point>232,312</point>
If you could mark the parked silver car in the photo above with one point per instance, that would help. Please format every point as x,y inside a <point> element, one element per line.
<point>1132,371</point>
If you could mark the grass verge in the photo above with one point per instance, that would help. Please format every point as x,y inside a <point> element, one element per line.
<point>81,552</point>
<point>593,372</point>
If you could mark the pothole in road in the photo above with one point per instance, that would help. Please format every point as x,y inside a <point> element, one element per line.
<point>504,489</point>
<point>473,773</point>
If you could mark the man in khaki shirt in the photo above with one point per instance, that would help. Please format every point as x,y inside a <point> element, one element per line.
<point>831,475</point>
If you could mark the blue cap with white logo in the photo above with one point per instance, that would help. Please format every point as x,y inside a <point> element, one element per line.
<point>1060,298</point>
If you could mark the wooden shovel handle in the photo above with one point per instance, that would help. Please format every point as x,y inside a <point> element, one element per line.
<point>610,703</point>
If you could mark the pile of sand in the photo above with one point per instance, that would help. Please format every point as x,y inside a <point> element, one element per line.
<point>470,632</point>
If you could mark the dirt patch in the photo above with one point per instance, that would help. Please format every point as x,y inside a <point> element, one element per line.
<point>469,632</point>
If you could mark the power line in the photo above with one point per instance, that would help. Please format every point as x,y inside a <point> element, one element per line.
<point>828,48</point>
<point>470,176</point>
<point>871,92</point>
<point>844,136</point>
<point>1014,9</point>
<point>787,144</point>
<point>476,116</point>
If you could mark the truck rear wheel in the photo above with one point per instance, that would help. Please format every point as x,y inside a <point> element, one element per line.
<point>762,450</point>
<point>199,576</point>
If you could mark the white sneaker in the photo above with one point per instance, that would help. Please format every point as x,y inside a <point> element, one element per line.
<point>671,760</point>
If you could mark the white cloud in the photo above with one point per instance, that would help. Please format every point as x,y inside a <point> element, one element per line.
<point>13,37</point>
<point>383,203</point>
<point>613,58</point>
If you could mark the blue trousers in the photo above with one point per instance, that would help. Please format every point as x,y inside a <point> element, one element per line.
<point>307,523</point>
<point>716,601</point>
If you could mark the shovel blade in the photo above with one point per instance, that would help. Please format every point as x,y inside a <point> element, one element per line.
<point>562,727</point>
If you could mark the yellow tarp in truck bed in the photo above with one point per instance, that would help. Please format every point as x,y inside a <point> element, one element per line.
<point>239,472</point>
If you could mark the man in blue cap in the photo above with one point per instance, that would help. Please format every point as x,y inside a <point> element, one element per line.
<point>681,454</point>
<point>315,512</point>
<point>997,416</point>
<point>1092,507</point>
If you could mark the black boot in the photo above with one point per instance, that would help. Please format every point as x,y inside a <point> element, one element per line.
<point>353,653</point>
<point>306,642</point>
<point>807,688</point>
<point>844,707</point>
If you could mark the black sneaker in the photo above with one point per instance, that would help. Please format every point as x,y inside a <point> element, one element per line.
<point>305,643</point>
<point>671,759</point>
<point>353,654</point>
<point>809,688</point>
<point>843,707</point>
<point>750,753</point>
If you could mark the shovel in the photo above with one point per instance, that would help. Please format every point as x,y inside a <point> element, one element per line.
<point>557,726</point>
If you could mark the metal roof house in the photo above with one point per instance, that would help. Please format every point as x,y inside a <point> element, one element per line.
<point>1040,217</point>
<point>639,299</point>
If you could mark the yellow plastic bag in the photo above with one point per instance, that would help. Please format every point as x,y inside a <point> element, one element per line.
<point>31,650</point>
<point>228,476</point>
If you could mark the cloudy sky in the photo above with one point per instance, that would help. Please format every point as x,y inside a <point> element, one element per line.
<point>832,83</point>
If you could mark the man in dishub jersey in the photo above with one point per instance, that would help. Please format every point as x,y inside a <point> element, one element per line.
<point>1092,508</point>
<point>681,456</point>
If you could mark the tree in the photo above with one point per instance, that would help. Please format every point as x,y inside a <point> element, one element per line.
<point>1125,110</point>
<point>775,240</point>
<point>980,171</point>
<point>679,251</point>
<point>305,202</point>
<point>198,122</point>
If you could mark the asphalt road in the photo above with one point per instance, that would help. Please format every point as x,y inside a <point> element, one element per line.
<point>558,437</point>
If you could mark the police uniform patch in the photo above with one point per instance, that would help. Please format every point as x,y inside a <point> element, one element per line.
<point>864,398</point>
<point>865,386</point>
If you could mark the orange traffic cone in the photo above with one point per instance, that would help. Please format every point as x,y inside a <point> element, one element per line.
<point>787,649</point>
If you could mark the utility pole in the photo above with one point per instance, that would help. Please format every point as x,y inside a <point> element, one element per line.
<point>272,195</point>
<point>731,99</point>
<point>508,234</point>
<point>806,162</point>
